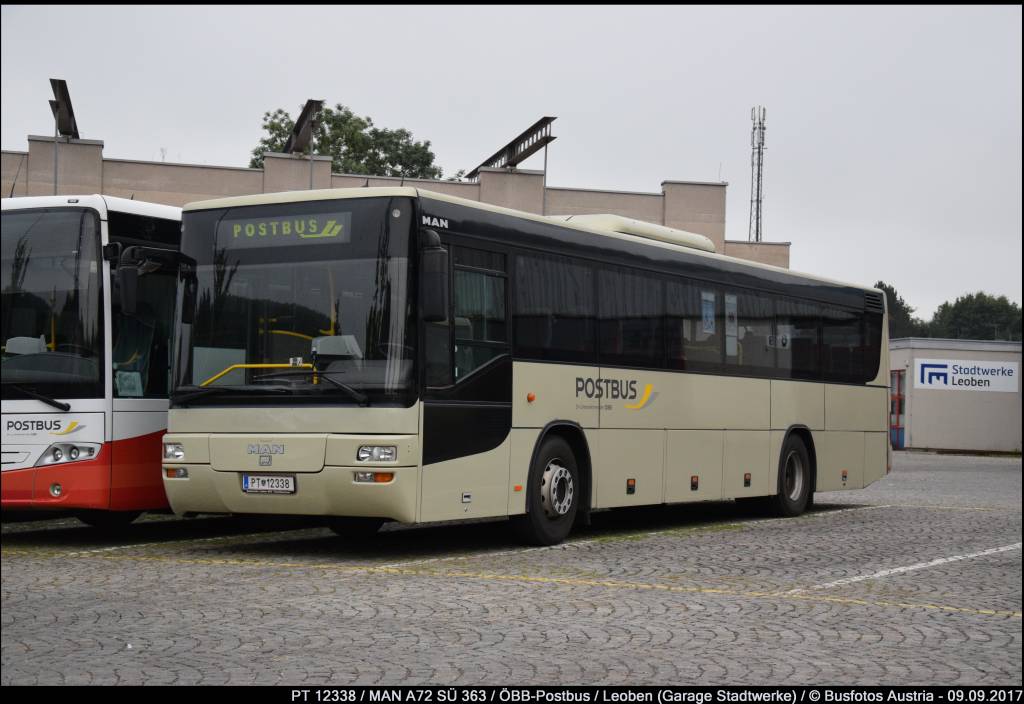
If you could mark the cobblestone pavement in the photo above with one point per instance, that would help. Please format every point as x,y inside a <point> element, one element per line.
<point>915,580</point>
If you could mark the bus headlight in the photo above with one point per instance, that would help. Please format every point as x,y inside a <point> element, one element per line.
<point>64,452</point>
<point>174,451</point>
<point>377,453</point>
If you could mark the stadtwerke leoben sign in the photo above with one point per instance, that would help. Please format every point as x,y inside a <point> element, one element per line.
<point>966,375</point>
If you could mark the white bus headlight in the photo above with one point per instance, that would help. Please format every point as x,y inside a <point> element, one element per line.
<point>377,453</point>
<point>174,451</point>
<point>64,452</point>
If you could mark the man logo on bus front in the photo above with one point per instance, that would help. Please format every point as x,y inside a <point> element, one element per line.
<point>435,222</point>
<point>266,452</point>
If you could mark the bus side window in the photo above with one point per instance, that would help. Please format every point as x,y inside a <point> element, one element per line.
<point>437,348</point>
<point>631,314</point>
<point>694,325</point>
<point>480,321</point>
<point>796,339</point>
<point>141,342</point>
<point>555,309</point>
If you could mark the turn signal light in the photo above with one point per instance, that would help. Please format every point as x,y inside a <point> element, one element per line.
<point>175,472</point>
<point>374,477</point>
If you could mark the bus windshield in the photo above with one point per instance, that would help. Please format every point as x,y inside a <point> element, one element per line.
<point>50,290</point>
<point>307,298</point>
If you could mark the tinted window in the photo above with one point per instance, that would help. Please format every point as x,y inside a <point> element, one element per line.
<point>872,346</point>
<point>139,229</point>
<point>843,349</point>
<point>631,318</point>
<point>749,345</point>
<point>478,258</point>
<point>796,339</point>
<point>479,322</point>
<point>693,326</point>
<point>555,309</point>
<point>141,342</point>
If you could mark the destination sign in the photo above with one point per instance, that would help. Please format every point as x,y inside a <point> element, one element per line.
<point>309,228</point>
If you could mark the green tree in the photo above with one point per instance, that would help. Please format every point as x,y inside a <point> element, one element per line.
<point>902,322</point>
<point>354,144</point>
<point>978,316</point>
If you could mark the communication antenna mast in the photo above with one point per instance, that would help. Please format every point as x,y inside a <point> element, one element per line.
<point>757,115</point>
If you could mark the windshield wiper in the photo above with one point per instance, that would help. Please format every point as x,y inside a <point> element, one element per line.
<point>206,391</point>
<point>40,397</point>
<point>358,396</point>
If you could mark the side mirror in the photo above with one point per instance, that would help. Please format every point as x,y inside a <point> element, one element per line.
<point>128,287</point>
<point>433,279</point>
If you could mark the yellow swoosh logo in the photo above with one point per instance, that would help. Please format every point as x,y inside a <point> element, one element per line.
<point>643,401</point>
<point>69,429</point>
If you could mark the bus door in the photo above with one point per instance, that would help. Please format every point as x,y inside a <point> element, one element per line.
<point>141,368</point>
<point>467,402</point>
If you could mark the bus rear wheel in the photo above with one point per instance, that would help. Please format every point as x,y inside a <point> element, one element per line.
<point>107,520</point>
<point>793,495</point>
<point>553,495</point>
<point>355,527</point>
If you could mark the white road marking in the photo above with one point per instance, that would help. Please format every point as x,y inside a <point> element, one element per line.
<point>907,568</point>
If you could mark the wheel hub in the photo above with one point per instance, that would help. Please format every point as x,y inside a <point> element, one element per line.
<point>556,490</point>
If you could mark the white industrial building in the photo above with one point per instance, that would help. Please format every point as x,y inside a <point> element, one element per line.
<point>955,395</point>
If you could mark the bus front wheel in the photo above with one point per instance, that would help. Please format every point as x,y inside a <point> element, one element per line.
<point>794,492</point>
<point>553,495</point>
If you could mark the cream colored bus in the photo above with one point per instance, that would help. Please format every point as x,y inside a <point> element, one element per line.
<point>382,354</point>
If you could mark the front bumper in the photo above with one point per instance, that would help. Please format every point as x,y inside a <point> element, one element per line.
<point>83,485</point>
<point>332,491</point>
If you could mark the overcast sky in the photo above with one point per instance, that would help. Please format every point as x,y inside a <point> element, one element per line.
<point>894,134</point>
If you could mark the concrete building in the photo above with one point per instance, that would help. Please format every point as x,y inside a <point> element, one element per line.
<point>688,205</point>
<point>955,394</point>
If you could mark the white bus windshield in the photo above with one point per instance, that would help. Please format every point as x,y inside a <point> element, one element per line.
<point>50,289</point>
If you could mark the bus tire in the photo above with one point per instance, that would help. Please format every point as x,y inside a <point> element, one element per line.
<point>793,495</point>
<point>107,520</point>
<point>553,495</point>
<point>354,527</point>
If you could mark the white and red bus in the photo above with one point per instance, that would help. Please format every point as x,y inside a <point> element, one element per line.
<point>87,289</point>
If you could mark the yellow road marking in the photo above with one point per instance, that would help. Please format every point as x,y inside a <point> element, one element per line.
<point>526,579</point>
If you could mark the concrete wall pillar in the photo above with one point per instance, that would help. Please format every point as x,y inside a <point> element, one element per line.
<point>696,207</point>
<point>79,166</point>
<point>290,172</point>
<point>519,189</point>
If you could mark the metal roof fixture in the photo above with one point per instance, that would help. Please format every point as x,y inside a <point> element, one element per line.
<point>525,145</point>
<point>301,137</point>
<point>63,112</point>
<point>302,133</point>
<point>64,124</point>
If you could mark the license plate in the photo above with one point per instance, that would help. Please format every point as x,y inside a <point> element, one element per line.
<point>268,483</point>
